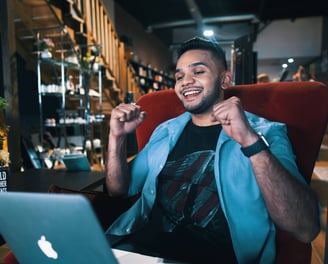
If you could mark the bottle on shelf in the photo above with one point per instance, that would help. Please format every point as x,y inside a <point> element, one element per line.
<point>150,78</point>
<point>70,87</point>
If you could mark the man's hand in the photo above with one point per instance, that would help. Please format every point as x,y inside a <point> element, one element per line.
<point>231,116</point>
<point>125,118</point>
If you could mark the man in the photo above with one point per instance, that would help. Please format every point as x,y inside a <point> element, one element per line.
<point>211,186</point>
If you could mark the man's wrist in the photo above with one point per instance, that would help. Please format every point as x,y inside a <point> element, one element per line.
<point>258,146</point>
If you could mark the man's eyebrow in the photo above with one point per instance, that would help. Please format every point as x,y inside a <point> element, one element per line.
<point>195,64</point>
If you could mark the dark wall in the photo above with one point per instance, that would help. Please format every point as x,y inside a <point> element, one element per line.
<point>1,77</point>
<point>28,97</point>
<point>245,68</point>
<point>148,48</point>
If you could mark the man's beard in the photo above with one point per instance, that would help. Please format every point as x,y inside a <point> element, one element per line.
<point>205,105</point>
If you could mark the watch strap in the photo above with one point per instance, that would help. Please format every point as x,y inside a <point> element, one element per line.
<point>258,146</point>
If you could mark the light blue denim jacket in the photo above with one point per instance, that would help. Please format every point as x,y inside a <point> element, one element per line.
<point>252,230</point>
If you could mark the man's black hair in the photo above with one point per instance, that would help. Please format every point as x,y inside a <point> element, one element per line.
<point>203,44</point>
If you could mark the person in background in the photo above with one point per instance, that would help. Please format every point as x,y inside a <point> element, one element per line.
<point>301,75</point>
<point>214,182</point>
<point>263,78</point>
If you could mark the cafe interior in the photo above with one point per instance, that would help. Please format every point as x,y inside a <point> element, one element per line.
<point>66,64</point>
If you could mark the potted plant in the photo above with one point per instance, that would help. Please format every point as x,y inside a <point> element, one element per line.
<point>45,46</point>
<point>4,154</point>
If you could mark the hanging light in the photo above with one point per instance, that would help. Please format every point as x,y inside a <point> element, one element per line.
<point>208,33</point>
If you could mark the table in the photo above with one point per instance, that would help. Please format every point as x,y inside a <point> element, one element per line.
<point>38,180</point>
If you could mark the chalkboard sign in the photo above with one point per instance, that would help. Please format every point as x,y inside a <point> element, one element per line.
<point>4,171</point>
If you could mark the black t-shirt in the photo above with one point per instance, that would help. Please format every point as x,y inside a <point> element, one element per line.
<point>187,191</point>
<point>188,197</point>
<point>195,138</point>
<point>187,222</point>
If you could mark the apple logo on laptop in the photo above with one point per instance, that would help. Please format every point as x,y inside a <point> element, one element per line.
<point>47,248</point>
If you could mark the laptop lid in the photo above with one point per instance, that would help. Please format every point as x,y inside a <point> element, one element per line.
<point>52,228</point>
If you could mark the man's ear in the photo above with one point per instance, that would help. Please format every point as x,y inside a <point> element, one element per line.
<point>226,78</point>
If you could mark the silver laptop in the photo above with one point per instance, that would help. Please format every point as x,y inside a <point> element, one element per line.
<point>52,228</point>
<point>59,228</point>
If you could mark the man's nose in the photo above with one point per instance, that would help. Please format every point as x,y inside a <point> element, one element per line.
<point>188,79</point>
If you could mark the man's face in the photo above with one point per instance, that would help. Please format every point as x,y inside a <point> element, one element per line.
<point>198,81</point>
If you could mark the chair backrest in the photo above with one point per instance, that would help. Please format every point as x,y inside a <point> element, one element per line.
<point>160,106</point>
<point>303,106</point>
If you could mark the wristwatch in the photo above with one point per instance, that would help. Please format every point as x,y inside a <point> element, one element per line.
<point>257,147</point>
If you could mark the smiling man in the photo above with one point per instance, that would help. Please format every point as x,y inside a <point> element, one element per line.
<point>215,182</point>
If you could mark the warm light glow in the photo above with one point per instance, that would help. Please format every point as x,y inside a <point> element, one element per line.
<point>208,33</point>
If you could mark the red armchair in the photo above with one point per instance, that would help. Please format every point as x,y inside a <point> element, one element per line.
<point>303,106</point>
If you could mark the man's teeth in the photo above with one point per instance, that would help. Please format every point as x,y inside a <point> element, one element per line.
<point>190,93</point>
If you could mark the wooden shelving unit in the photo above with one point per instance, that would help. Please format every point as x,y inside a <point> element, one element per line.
<point>72,23</point>
<point>151,79</point>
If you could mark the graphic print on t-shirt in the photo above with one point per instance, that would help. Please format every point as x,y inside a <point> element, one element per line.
<point>187,189</point>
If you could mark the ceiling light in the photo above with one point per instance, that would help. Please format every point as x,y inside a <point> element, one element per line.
<point>208,33</point>
<point>284,65</point>
<point>290,60</point>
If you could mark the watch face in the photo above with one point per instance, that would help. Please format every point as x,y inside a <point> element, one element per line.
<point>264,139</point>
